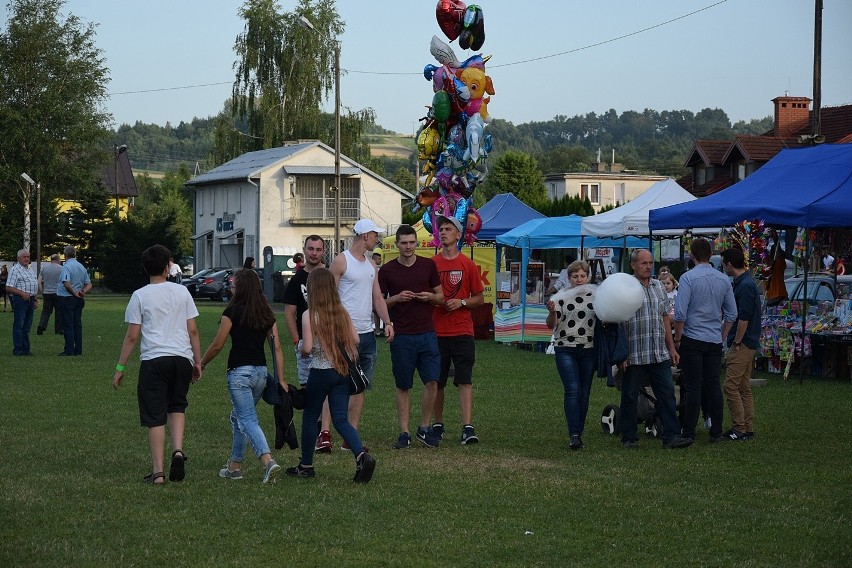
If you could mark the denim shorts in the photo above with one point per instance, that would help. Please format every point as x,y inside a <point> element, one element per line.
<point>410,352</point>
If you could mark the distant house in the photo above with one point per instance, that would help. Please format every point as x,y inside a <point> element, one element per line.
<point>602,187</point>
<point>277,197</point>
<point>122,194</point>
<point>717,164</point>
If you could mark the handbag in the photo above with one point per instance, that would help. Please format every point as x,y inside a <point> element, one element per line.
<point>357,379</point>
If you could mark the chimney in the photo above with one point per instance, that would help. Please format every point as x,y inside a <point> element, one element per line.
<point>791,114</point>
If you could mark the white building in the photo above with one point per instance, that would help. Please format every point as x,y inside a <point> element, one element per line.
<point>277,197</point>
<point>603,188</point>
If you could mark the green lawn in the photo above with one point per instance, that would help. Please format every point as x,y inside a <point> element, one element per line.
<point>71,495</point>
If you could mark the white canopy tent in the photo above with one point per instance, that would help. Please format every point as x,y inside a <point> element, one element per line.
<point>631,219</point>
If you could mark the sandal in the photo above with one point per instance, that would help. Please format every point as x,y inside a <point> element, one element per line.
<point>153,477</point>
<point>176,470</point>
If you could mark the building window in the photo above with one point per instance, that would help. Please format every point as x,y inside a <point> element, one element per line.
<point>314,199</point>
<point>701,176</point>
<point>620,194</point>
<point>592,191</point>
<point>741,172</point>
<point>553,191</point>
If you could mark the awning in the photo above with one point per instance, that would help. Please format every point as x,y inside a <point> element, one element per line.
<point>231,234</point>
<point>201,235</point>
<point>321,170</point>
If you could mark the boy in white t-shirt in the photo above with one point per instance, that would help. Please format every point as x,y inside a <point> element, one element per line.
<point>164,313</point>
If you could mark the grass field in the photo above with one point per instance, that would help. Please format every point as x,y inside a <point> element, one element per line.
<point>71,495</point>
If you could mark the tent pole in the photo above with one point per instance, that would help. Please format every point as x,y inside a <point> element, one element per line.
<point>522,288</point>
<point>804,306</point>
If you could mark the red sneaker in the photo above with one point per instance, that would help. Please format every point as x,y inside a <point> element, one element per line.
<point>324,444</point>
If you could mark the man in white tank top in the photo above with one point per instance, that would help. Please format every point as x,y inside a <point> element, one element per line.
<point>360,294</point>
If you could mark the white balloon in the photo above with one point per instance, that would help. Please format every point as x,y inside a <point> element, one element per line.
<point>618,297</point>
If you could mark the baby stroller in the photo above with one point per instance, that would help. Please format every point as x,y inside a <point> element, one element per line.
<point>646,409</point>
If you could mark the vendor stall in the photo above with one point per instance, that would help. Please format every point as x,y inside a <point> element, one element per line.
<point>809,188</point>
<point>511,322</point>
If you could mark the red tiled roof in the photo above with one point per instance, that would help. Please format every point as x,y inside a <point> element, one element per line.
<point>708,151</point>
<point>758,148</point>
<point>686,182</point>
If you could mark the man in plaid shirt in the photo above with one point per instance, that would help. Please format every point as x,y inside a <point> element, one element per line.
<point>22,287</point>
<point>651,354</point>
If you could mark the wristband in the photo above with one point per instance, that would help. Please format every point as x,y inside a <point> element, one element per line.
<point>119,367</point>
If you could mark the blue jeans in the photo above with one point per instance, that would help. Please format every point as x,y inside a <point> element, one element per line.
<point>21,324</point>
<point>660,375</point>
<point>72,323</point>
<point>245,385</point>
<point>329,383</point>
<point>576,367</point>
<point>701,363</point>
<point>367,353</point>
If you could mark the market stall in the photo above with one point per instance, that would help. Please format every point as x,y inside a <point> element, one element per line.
<point>810,188</point>
<point>513,320</point>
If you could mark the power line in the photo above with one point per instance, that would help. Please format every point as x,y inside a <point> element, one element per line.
<point>531,60</point>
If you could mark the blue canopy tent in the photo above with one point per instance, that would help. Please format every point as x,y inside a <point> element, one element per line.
<point>806,187</point>
<point>553,232</point>
<point>502,213</point>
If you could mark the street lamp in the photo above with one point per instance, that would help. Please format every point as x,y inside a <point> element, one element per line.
<point>37,186</point>
<point>307,24</point>
<point>118,150</point>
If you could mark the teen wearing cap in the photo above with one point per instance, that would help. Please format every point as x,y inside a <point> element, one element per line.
<point>355,274</point>
<point>462,288</point>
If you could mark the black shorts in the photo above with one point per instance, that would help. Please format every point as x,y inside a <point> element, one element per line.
<point>460,351</point>
<point>163,384</point>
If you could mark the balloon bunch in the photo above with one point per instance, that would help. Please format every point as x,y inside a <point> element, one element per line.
<point>452,143</point>
<point>751,237</point>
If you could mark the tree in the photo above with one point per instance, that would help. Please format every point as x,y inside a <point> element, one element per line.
<point>518,173</point>
<point>89,225</point>
<point>52,90</point>
<point>283,74</point>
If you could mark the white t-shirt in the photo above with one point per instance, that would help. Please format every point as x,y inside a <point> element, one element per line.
<point>163,310</point>
<point>356,291</point>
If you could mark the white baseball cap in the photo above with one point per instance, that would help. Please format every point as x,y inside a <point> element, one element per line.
<point>455,222</point>
<point>364,226</point>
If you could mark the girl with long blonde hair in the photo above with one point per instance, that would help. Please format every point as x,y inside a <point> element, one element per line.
<point>329,337</point>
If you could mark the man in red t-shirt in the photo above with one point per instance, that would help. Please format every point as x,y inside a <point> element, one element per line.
<point>410,284</point>
<point>453,321</point>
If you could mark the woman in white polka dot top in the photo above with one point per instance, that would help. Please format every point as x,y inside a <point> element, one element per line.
<point>571,316</point>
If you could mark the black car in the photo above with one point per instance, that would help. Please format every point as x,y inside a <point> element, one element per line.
<point>192,282</point>
<point>215,285</point>
<point>258,271</point>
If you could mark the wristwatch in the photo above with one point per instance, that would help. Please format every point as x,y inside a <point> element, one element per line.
<point>464,302</point>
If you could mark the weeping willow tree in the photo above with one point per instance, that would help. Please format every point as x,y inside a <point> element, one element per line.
<point>283,74</point>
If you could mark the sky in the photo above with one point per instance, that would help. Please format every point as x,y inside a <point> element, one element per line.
<point>549,57</point>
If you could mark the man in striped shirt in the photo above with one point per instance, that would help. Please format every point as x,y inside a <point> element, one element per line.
<point>651,354</point>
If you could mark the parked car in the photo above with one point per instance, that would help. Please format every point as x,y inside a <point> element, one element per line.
<point>192,282</point>
<point>215,285</point>
<point>820,287</point>
<point>258,271</point>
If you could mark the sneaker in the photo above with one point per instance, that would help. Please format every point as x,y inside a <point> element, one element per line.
<point>300,471</point>
<point>748,436</point>
<point>734,435</point>
<point>677,442</point>
<point>429,439</point>
<point>324,444</point>
<point>364,466</point>
<point>227,473</point>
<point>271,471</point>
<point>576,442</point>
<point>403,442</point>
<point>715,439</point>
<point>468,435</point>
<point>438,430</point>
<point>630,444</point>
